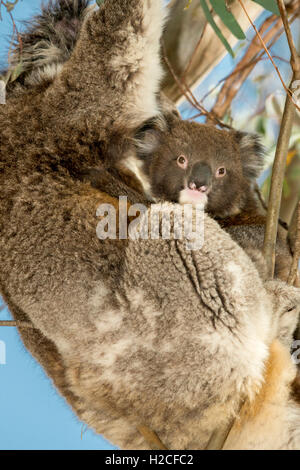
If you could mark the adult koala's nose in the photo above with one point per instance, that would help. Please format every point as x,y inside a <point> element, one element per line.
<point>200,177</point>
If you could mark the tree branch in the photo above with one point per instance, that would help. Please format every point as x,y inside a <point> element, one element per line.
<point>16,323</point>
<point>182,37</point>
<point>9,7</point>
<point>294,54</point>
<point>243,69</point>
<point>294,268</point>
<point>188,94</point>
<point>288,90</point>
<point>280,157</point>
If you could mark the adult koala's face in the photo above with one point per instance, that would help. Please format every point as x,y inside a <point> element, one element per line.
<point>199,164</point>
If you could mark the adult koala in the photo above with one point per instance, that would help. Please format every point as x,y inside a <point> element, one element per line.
<point>143,334</point>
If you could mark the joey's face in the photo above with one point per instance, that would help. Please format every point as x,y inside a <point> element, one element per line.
<point>199,164</point>
<point>195,178</point>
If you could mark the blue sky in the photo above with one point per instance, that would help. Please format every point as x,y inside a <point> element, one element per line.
<point>248,98</point>
<point>32,414</point>
<point>22,11</point>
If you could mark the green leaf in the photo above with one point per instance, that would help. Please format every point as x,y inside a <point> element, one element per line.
<point>215,27</point>
<point>227,17</point>
<point>270,5</point>
<point>99,2</point>
<point>261,126</point>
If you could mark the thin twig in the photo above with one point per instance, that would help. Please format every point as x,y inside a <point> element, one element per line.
<point>249,64</point>
<point>151,438</point>
<point>179,83</point>
<point>15,29</point>
<point>233,83</point>
<point>294,54</point>
<point>194,117</point>
<point>288,90</point>
<point>187,93</point>
<point>21,324</point>
<point>184,73</point>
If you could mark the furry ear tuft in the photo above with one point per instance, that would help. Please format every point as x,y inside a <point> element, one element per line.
<point>48,39</point>
<point>252,155</point>
<point>148,136</point>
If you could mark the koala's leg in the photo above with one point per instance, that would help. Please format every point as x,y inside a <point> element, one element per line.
<point>112,78</point>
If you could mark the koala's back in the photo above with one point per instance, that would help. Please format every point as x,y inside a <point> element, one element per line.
<point>251,239</point>
<point>44,205</point>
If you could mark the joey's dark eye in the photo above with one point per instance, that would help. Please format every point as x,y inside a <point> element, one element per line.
<point>221,172</point>
<point>182,162</point>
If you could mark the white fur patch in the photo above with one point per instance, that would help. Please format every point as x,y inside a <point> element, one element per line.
<point>135,165</point>
<point>187,196</point>
<point>49,72</point>
<point>142,59</point>
<point>97,299</point>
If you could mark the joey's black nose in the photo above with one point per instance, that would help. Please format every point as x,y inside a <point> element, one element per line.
<point>200,177</point>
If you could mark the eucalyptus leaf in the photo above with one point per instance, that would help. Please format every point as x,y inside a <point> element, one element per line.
<point>215,27</point>
<point>227,17</point>
<point>261,126</point>
<point>270,5</point>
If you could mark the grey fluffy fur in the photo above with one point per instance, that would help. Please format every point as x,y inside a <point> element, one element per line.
<point>132,332</point>
<point>48,41</point>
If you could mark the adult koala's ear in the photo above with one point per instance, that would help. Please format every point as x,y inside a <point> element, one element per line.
<point>252,155</point>
<point>149,136</point>
<point>286,302</point>
<point>167,107</point>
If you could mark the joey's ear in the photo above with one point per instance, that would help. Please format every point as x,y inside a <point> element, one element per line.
<point>148,137</point>
<point>252,154</point>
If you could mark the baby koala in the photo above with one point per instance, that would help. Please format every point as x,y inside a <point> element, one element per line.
<point>190,163</point>
<point>186,162</point>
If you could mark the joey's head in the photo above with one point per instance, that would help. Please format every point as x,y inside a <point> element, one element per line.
<point>187,162</point>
